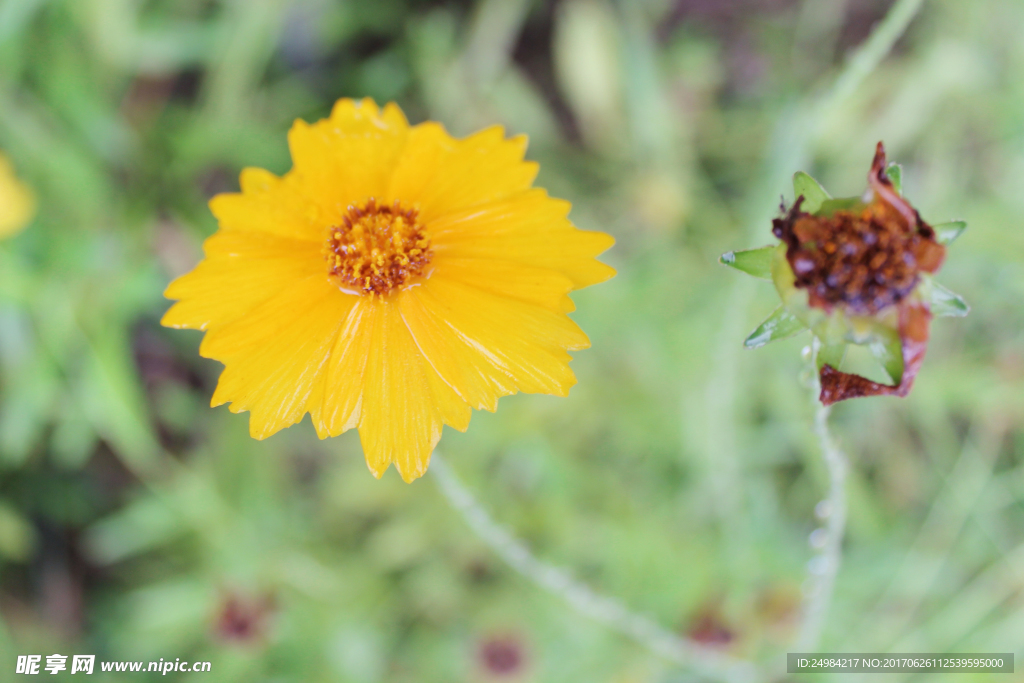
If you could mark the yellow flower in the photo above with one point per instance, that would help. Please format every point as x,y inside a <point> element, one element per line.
<point>393,279</point>
<point>17,204</point>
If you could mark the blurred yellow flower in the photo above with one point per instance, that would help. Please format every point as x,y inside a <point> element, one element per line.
<point>393,279</point>
<point>17,203</point>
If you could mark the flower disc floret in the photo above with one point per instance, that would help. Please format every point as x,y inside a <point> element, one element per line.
<point>377,248</point>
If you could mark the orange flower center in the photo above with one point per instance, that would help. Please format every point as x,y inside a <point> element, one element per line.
<point>377,248</point>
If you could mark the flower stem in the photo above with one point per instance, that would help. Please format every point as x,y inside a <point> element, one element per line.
<point>580,597</point>
<point>825,565</point>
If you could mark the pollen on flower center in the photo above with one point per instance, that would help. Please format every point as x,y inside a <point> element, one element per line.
<point>377,248</point>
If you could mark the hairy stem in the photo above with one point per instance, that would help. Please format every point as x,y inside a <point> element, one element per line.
<point>825,565</point>
<point>580,597</point>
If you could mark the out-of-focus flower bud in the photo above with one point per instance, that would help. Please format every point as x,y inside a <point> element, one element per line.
<point>17,203</point>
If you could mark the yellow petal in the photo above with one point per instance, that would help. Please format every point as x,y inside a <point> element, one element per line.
<point>241,271</point>
<point>467,370</point>
<point>336,401</point>
<point>274,354</point>
<point>530,228</point>
<point>538,286</point>
<point>496,345</point>
<point>405,404</point>
<point>272,205</point>
<point>350,156</point>
<point>440,174</point>
<point>338,161</point>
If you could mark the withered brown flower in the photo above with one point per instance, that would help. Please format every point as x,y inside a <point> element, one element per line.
<point>856,271</point>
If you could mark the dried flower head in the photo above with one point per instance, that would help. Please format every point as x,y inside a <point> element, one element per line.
<point>855,271</point>
<point>393,280</point>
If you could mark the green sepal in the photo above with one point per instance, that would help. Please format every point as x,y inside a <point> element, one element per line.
<point>830,353</point>
<point>889,353</point>
<point>793,298</point>
<point>756,262</point>
<point>946,304</point>
<point>813,193</point>
<point>830,206</point>
<point>778,325</point>
<point>946,233</point>
<point>895,174</point>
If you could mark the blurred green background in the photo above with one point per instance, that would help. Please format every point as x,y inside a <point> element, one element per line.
<point>680,475</point>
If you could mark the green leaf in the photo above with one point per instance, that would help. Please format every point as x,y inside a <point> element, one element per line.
<point>945,233</point>
<point>813,193</point>
<point>141,525</point>
<point>946,304</point>
<point>832,354</point>
<point>779,325</point>
<point>756,262</point>
<point>889,352</point>
<point>895,173</point>
<point>113,402</point>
